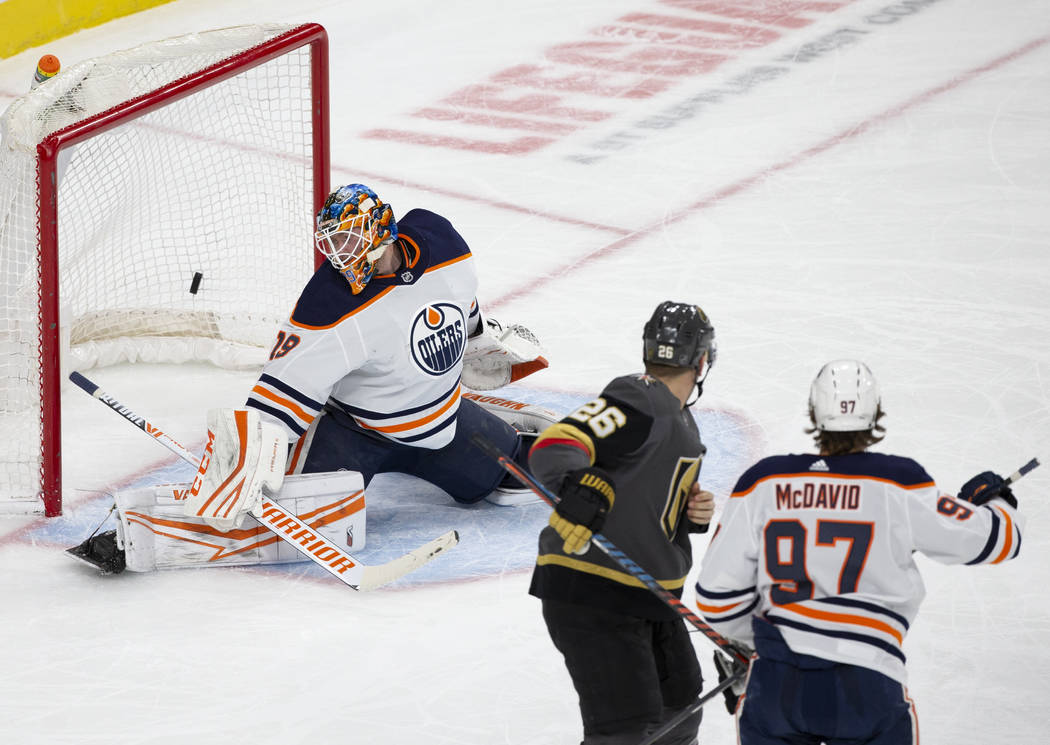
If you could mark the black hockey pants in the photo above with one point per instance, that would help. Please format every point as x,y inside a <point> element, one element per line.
<point>632,674</point>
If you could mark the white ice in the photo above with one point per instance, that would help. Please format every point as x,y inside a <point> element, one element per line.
<point>888,199</point>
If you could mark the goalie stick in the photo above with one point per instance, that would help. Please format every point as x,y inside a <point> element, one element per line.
<point>610,550</point>
<point>288,527</point>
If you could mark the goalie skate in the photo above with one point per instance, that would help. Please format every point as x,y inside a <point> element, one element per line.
<point>100,551</point>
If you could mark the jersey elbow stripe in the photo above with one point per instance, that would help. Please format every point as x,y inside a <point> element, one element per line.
<point>724,594</point>
<point>279,385</point>
<point>287,419</point>
<point>993,538</point>
<point>715,617</point>
<point>1008,536</point>
<point>286,404</point>
<point>715,610</point>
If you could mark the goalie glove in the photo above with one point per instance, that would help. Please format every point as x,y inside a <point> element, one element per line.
<point>243,455</point>
<point>496,356</point>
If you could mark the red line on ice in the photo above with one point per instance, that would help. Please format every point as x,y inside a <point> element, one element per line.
<point>849,133</point>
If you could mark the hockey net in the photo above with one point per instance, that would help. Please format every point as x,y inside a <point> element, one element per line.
<point>155,205</point>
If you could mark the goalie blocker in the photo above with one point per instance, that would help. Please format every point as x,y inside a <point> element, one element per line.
<point>243,456</point>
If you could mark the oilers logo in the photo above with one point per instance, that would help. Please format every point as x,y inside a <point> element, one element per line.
<point>438,337</point>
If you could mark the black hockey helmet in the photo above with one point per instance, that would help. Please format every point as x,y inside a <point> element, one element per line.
<point>677,335</point>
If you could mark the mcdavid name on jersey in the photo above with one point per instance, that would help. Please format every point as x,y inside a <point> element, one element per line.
<point>438,337</point>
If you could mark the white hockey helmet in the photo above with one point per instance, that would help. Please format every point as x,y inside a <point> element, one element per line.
<point>844,397</point>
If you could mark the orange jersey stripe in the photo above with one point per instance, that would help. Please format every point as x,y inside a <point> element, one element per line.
<point>340,320</point>
<point>805,610</point>
<point>450,262</point>
<point>415,422</point>
<point>717,608</point>
<point>1009,541</point>
<point>284,403</point>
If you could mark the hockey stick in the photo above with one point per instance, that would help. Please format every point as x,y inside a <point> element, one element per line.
<point>610,550</point>
<point>287,526</point>
<point>686,713</point>
<point>739,674</point>
<point>1029,466</point>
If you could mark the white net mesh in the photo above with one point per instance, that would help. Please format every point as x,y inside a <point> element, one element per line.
<point>183,234</point>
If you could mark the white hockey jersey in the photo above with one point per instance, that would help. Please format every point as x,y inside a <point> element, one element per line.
<point>821,547</point>
<point>391,356</point>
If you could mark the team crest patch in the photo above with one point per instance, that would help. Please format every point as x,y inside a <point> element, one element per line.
<point>438,337</point>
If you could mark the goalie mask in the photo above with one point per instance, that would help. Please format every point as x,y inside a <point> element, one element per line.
<point>844,397</point>
<point>354,228</point>
<point>680,335</point>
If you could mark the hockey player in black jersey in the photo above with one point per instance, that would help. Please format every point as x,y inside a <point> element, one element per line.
<point>626,464</point>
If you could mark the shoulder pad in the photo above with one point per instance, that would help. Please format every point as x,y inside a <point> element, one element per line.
<point>327,298</point>
<point>902,471</point>
<point>434,235</point>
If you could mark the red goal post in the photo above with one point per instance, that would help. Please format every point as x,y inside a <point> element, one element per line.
<point>156,204</point>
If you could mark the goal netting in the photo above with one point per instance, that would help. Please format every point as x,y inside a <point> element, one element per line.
<point>156,205</point>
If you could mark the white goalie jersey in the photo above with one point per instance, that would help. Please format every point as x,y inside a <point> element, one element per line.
<point>391,357</point>
<point>821,547</point>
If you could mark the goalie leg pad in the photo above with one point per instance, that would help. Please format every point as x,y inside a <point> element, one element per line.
<point>518,414</point>
<point>155,533</point>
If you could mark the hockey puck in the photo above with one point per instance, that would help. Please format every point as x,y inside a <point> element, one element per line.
<point>196,283</point>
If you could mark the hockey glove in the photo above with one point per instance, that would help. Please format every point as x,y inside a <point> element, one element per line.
<point>986,486</point>
<point>727,666</point>
<point>497,355</point>
<point>587,495</point>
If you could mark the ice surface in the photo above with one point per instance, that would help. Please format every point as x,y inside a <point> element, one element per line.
<point>875,184</point>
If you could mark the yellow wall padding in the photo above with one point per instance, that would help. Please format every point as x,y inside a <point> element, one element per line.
<point>30,23</point>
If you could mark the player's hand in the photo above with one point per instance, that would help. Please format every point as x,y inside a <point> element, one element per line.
<point>986,486</point>
<point>700,506</point>
<point>586,496</point>
<point>726,667</point>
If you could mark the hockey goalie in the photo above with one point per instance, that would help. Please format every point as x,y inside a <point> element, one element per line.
<point>375,371</point>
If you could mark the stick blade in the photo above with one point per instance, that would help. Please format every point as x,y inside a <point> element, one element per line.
<point>383,574</point>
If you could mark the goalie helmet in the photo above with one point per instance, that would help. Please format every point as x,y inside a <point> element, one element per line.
<point>844,397</point>
<point>354,228</point>
<point>678,335</point>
